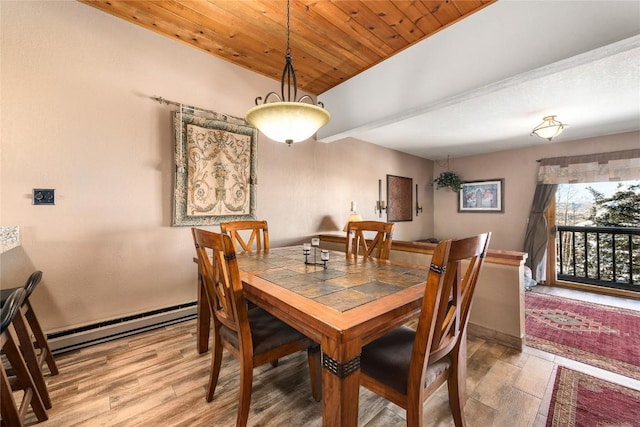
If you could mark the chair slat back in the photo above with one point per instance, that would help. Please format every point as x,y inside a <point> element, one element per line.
<point>13,348</point>
<point>221,279</point>
<point>244,234</point>
<point>10,307</point>
<point>451,282</point>
<point>378,247</point>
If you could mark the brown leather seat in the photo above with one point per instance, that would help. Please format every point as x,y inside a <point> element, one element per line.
<point>377,247</point>
<point>13,414</point>
<point>407,366</point>
<point>255,232</point>
<point>253,336</point>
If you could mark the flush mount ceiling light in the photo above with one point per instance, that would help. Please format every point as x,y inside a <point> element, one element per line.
<point>287,120</point>
<point>549,128</point>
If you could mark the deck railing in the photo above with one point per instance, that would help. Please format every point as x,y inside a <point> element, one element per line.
<point>602,256</point>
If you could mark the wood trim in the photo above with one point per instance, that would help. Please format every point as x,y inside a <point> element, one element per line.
<point>512,258</point>
<point>595,289</point>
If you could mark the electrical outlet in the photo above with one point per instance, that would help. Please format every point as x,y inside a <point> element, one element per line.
<point>44,196</point>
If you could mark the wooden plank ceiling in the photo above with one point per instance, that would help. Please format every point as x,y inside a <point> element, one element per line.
<point>331,41</point>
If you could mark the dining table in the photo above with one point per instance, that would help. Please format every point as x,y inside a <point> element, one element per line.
<point>342,304</point>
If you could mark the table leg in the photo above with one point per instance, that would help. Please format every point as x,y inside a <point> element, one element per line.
<point>340,383</point>
<point>204,318</point>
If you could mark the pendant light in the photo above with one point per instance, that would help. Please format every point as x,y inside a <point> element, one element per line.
<point>287,119</point>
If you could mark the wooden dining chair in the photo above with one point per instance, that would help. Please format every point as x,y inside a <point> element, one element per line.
<point>377,247</point>
<point>12,412</point>
<point>244,235</point>
<point>255,232</point>
<point>407,366</point>
<point>253,336</point>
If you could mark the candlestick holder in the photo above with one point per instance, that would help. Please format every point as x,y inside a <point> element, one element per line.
<point>324,254</point>
<point>381,205</point>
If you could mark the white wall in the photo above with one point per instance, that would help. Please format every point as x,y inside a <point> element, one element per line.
<point>519,169</point>
<point>77,116</point>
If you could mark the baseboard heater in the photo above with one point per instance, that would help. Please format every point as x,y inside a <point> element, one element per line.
<point>96,333</point>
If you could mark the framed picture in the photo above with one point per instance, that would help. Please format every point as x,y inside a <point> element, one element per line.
<point>215,178</point>
<point>482,196</point>
<point>400,198</point>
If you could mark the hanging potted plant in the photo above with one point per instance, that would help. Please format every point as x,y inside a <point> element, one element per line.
<point>449,180</point>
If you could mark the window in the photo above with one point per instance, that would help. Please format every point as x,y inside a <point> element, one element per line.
<point>585,168</point>
<point>596,237</point>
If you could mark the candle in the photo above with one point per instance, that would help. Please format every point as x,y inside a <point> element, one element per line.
<point>315,241</point>
<point>324,255</point>
<point>306,248</point>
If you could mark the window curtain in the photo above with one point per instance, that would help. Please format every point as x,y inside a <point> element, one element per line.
<point>536,239</point>
<point>600,167</point>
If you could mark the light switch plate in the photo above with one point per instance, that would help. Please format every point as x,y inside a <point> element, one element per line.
<point>44,196</point>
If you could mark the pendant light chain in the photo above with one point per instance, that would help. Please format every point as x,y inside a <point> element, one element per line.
<point>288,31</point>
<point>288,73</point>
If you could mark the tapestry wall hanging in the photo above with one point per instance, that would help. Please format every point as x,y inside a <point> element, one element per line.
<point>216,160</point>
<point>400,198</point>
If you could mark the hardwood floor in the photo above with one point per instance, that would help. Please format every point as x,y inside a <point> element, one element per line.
<point>158,379</point>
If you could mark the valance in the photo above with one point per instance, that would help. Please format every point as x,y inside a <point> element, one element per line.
<point>600,167</point>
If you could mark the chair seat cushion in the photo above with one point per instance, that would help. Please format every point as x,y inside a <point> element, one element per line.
<point>267,332</point>
<point>387,359</point>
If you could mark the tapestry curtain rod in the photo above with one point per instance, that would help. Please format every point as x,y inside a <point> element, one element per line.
<point>220,116</point>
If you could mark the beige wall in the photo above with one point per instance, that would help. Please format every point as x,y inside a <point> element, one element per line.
<point>519,170</point>
<point>77,116</point>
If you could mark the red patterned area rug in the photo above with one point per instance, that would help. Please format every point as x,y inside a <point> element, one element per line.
<point>581,400</point>
<point>601,336</point>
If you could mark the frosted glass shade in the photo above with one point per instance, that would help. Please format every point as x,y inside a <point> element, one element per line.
<point>288,121</point>
<point>549,128</point>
